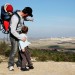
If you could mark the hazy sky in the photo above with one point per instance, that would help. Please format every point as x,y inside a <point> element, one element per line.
<point>52,18</point>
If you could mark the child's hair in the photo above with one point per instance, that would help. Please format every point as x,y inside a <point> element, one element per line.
<point>24,29</point>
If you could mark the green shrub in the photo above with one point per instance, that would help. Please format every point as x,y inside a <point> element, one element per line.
<point>44,55</point>
<point>42,58</point>
<point>0,60</point>
<point>4,48</point>
<point>7,52</point>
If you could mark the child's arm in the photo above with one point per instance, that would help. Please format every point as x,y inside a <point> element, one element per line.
<point>23,50</point>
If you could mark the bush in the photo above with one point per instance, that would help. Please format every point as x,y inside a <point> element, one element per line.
<point>7,52</point>
<point>1,59</point>
<point>42,58</point>
<point>44,55</point>
<point>63,56</point>
<point>4,48</point>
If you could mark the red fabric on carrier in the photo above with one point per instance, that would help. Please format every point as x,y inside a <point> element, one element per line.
<point>6,25</point>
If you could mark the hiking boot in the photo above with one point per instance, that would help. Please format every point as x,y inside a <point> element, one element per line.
<point>31,67</point>
<point>24,69</point>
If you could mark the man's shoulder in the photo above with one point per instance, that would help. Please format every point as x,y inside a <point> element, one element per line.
<point>16,15</point>
<point>14,18</point>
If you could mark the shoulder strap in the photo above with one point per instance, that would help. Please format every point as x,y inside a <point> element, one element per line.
<point>15,13</point>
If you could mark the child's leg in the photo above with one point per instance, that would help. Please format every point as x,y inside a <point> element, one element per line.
<point>28,57</point>
<point>24,61</point>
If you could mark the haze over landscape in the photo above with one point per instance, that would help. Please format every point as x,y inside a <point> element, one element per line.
<point>52,18</point>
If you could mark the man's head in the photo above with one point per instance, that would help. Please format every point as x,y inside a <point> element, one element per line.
<point>27,11</point>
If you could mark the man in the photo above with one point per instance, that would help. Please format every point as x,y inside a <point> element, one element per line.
<point>15,36</point>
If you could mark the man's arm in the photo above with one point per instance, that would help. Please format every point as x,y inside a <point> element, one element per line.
<point>29,19</point>
<point>13,24</point>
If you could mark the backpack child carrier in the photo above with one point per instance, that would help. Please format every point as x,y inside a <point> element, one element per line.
<point>5,20</point>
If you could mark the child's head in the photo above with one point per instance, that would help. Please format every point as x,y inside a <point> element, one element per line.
<point>24,29</point>
<point>8,7</point>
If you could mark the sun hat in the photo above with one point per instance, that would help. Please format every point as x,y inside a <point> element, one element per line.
<point>8,7</point>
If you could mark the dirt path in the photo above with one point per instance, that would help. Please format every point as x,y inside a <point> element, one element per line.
<point>42,68</point>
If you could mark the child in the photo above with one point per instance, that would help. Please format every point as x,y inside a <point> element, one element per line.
<point>23,46</point>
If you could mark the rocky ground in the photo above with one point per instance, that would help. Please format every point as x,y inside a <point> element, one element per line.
<point>42,68</point>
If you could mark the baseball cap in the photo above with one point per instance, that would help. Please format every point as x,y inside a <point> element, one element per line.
<point>28,10</point>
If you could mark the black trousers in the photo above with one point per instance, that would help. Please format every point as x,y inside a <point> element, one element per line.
<point>26,58</point>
